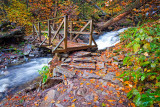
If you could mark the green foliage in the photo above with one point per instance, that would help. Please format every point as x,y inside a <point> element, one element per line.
<point>143,61</point>
<point>44,72</point>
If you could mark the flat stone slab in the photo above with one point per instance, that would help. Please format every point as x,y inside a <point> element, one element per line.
<point>68,60</point>
<point>90,75</point>
<point>100,65</point>
<point>82,54</point>
<point>84,59</point>
<point>91,66</point>
<point>83,65</point>
<point>67,73</point>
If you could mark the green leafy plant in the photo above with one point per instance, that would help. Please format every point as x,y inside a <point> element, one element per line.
<point>143,63</point>
<point>44,72</point>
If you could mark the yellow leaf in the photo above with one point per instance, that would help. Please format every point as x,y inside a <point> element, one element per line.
<point>88,84</point>
<point>74,100</point>
<point>73,105</point>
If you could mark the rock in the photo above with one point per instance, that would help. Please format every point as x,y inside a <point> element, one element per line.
<point>115,63</point>
<point>82,91</point>
<point>108,77</point>
<point>67,73</point>
<point>27,49</point>
<point>89,75</point>
<point>95,54</point>
<point>100,65</point>
<point>31,55</point>
<point>51,95</point>
<point>104,93</point>
<point>68,60</point>
<point>55,73</point>
<point>84,59</point>
<point>108,60</point>
<point>59,105</point>
<point>111,77</point>
<point>63,59</point>
<point>89,66</point>
<point>82,54</point>
<point>89,97</point>
<point>63,55</point>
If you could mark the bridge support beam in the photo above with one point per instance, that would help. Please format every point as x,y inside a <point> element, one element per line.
<point>65,32</point>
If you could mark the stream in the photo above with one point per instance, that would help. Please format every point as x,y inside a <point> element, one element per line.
<point>20,74</point>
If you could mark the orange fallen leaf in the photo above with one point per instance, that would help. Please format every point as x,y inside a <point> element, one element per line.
<point>45,98</point>
<point>74,100</point>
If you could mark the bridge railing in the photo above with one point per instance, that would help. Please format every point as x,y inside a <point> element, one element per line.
<point>59,28</point>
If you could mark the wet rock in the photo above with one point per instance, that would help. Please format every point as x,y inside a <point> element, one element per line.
<point>84,59</point>
<point>31,55</point>
<point>100,65</point>
<point>82,91</point>
<point>89,75</point>
<point>27,49</point>
<point>82,54</point>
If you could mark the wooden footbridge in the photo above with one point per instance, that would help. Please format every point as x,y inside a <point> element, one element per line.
<point>61,35</point>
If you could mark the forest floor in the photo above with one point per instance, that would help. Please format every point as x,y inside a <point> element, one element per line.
<point>85,79</point>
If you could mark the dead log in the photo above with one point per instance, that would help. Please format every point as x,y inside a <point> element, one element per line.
<point>122,14</point>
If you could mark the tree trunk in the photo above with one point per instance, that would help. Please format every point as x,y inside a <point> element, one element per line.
<point>122,14</point>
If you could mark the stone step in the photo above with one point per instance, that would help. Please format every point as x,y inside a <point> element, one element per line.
<point>82,54</point>
<point>84,59</point>
<point>91,66</point>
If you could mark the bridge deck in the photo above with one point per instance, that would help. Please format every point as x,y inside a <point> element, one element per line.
<point>58,40</point>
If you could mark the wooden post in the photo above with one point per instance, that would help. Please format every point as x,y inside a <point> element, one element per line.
<point>91,32</point>
<point>39,31</point>
<point>65,32</point>
<point>71,36</point>
<point>33,33</point>
<point>49,32</point>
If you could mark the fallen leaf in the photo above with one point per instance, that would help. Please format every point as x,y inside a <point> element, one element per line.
<point>74,100</point>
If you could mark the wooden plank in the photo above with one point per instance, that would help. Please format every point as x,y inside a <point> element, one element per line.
<point>39,29</point>
<point>91,31</point>
<point>49,32</point>
<point>33,32</point>
<point>65,32</point>
<point>43,42</point>
<point>73,49</point>
<point>94,42</point>
<point>71,36</point>
<point>57,30</point>
<point>58,44</point>
<point>80,21</point>
<point>74,32</point>
<point>81,30</point>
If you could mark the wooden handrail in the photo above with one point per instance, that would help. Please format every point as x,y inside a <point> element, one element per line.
<point>64,22</point>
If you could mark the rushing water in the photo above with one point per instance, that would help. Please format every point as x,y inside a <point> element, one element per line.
<point>109,39</point>
<point>20,74</point>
